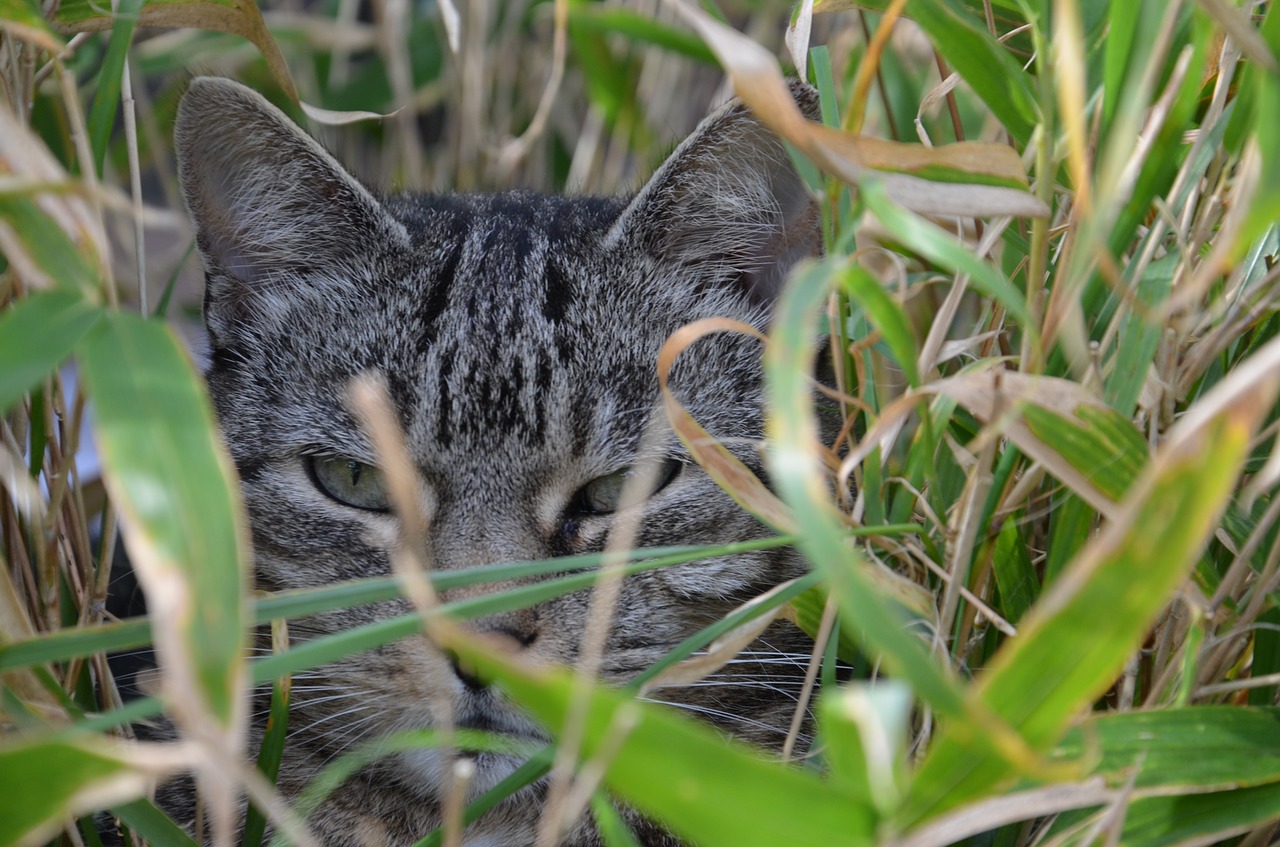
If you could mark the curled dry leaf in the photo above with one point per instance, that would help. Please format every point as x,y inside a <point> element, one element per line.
<point>971,179</point>
<point>725,468</point>
<point>238,17</point>
<point>797,36</point>
<point>993,393</point>
<point>332,117</point>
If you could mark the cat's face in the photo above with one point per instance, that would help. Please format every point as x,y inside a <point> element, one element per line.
<point>517,336</point>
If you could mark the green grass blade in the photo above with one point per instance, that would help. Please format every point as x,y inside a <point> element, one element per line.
<point>986,65</point>
<point>155,826</point>
<point>1015,575</point>
<point>66,644</point>
<point>531,771</point>
<point>1140,336</point>
<point>941,248</point>
<point>600,21</point>
<point>881,622</point>
<point>102,115</point>
<point>713,792</point>
<point>888,317</point>
<point>1198,748</point>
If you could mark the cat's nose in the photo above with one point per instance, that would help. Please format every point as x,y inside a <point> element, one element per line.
<point>518,633</point>
<point>472,682</point>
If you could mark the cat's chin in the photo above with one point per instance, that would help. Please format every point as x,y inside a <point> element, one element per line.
<point>434,770</point>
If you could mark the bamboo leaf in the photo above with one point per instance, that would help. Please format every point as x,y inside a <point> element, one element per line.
<point>36,334</point>
<point>173,484</point>
<point>44,782</point>
<point>1073,644</point>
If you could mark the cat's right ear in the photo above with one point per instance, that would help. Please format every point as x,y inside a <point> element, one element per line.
<point>728,208</point>
<point>268,202</point>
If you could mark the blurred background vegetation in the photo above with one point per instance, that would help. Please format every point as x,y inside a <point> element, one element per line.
<point>1060,393</point>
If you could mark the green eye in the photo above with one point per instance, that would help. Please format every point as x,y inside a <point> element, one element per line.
<point>352,483</point>
<point>602,495</point>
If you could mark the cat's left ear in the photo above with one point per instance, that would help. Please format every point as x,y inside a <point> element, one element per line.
<point>728,207</point>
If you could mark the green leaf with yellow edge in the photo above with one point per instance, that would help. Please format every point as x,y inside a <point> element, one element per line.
<point>169,476</point>
<point>1100,443</point>
<point>1196,748</point>
<point>36,334</point>
<point>40,249</point>
<point>238,17</point>
<point>1074,643</point>
<point>23,20</point>
<point>713,792</point>
<point>45,782</point>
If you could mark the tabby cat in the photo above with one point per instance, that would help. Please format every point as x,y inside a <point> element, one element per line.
<point>517,335</point>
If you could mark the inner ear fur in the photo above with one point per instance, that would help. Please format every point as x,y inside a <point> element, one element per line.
<point>728,206</point>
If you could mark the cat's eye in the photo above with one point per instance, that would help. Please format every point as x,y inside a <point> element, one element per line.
<point>603,494</point>
<point>350,482</point>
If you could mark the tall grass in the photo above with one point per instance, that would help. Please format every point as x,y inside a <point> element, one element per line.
<point>1046,541</point>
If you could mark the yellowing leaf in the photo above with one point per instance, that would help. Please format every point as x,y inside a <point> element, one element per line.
<point>238,17</point>
<point>23,20</point>
<point>974,181</point>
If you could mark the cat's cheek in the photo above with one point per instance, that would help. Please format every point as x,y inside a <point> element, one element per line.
<point>380,533</point>
<point>717,578</point>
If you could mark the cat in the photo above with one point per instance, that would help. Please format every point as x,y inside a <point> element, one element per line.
<point>517,335</point>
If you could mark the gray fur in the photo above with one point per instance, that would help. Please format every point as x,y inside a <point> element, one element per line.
<point>518,335</point>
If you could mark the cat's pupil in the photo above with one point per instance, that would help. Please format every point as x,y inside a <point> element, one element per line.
<point>602,495</point>
<point>350,482</point>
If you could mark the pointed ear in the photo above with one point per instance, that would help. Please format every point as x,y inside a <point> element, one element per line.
<point>728,207</point>
<point>268,202</point>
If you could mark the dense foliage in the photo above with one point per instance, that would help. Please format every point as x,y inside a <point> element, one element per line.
<point>1046,543</point>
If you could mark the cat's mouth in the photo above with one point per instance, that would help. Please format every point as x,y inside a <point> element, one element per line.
<point>496,718</point>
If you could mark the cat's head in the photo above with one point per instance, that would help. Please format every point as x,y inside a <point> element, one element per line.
<point>517,335</point>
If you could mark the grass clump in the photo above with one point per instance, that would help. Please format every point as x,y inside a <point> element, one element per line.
<point>1053,323</point>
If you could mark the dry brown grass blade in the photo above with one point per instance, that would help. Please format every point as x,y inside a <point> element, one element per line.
<point>1010,808</point>
<point>243,19</point>
<point>758,80</point>
<point>721,651</point>
<point>993,396</point>
<point>15,625</point>
<point>722,466</point>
